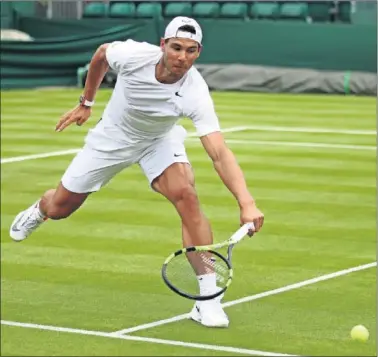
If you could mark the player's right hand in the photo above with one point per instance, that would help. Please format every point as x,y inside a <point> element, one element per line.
<point>250,213</point>
<point>79,115</point>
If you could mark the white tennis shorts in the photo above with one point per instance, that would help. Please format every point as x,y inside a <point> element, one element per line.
<point>91,169</point>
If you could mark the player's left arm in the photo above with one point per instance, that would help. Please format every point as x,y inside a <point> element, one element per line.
<point>232,176</point>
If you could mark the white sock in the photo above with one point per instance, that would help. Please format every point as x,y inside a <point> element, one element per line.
<point>39,210</point>
<point>207,283</point>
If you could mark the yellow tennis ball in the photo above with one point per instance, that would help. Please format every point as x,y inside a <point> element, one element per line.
<point>359,333</point>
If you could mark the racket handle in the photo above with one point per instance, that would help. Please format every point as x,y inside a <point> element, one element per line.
<point>242,232</point>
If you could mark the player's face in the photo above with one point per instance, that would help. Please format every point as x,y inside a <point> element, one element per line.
<point>180,54</point>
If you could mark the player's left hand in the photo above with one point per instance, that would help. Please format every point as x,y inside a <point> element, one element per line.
<point>250,213</point>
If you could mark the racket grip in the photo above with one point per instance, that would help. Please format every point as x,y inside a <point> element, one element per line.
<point>242,232</point>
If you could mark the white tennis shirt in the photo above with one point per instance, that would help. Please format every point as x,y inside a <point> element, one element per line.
<point>141,108</point>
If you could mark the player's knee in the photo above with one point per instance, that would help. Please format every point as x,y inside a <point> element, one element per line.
<point>186,193</point>
<point>187,202</point>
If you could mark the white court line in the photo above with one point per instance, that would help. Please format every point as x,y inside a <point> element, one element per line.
<point>201,346</point>
<point>251,108</point>
<point>254,297</point>
<point>39,156</point>
<point>235,141</point>
<point>74,151</point>
<point>298,144</point>
<point>307,130</point>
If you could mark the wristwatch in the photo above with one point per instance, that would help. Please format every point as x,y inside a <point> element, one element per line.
<point>85,103</point>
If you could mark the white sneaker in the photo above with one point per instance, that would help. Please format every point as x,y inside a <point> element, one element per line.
<point>26,222</point>
<point>210,313</point>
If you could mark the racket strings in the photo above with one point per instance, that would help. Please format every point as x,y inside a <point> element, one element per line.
<point>184,270</point>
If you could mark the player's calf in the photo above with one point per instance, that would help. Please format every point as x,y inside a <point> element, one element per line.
<point>61,203</point>
<point>55,204</point>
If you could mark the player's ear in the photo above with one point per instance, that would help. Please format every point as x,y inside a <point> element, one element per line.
<point>162,44</point>
<point>199,50</point>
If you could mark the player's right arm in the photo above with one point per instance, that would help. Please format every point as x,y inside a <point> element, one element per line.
<point>97,69</point>
<point>96,72</point>
<point>116,55</point>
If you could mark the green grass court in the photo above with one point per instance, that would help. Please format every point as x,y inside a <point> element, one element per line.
<point>310,163</point>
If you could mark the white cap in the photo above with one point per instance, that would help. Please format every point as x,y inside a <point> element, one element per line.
<point>172,30</point>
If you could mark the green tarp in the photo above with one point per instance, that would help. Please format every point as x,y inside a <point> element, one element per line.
<point>335,47</point>
<point>54,60</point>
<point>54,29</point>
<point>62,46</point>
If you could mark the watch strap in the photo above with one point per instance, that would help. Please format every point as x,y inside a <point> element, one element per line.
<point>85,102</point>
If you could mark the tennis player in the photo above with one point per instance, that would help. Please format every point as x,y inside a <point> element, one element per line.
<point>155,87</point>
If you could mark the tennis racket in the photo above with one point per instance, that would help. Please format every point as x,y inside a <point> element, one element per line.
<point>182,270</point>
